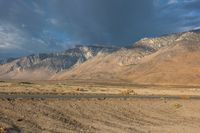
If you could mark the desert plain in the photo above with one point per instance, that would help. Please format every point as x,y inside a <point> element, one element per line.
<point>74,106</point>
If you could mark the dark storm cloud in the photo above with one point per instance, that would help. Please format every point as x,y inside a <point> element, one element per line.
<point>29,26</point>
<point>178,15</point>
<point>101,21</point>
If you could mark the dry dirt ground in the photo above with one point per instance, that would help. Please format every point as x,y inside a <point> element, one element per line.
<point>101,116</point>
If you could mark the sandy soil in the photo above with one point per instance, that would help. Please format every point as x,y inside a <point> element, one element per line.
<point>101,116</point>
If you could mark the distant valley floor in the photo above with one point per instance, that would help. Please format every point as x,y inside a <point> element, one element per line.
<point>78,87</point>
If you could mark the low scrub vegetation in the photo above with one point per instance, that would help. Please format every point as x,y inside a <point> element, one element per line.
<point>2,129</point>
<point>26,83</point>
<point>80,89</point>
<point>185,97</point>
<point>128,92</point>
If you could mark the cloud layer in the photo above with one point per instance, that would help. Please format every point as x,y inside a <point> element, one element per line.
<point>32,26</point>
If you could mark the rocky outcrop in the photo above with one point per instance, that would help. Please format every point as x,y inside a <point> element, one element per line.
<point>155,44</point>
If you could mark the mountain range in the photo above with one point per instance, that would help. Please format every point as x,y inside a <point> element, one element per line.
<point>168,59</point>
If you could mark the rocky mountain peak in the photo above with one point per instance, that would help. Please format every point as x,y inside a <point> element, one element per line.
<point>154,44</point>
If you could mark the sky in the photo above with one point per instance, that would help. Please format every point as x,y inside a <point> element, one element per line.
<point>38,26</point>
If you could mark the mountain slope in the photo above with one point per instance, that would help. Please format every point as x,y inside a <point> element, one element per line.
<point>170,59</point>
<point>43,66</point>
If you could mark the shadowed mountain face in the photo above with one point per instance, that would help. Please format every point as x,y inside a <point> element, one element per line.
<point>4,61</point>
<point>169,59</point>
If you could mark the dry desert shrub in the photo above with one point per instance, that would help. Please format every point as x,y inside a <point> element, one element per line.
<point>25,83</point>
<point>178,105</point>
<point>185,97</point>
<point>2,129</point>
<point>128,92</point>
<point>80,89</point>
